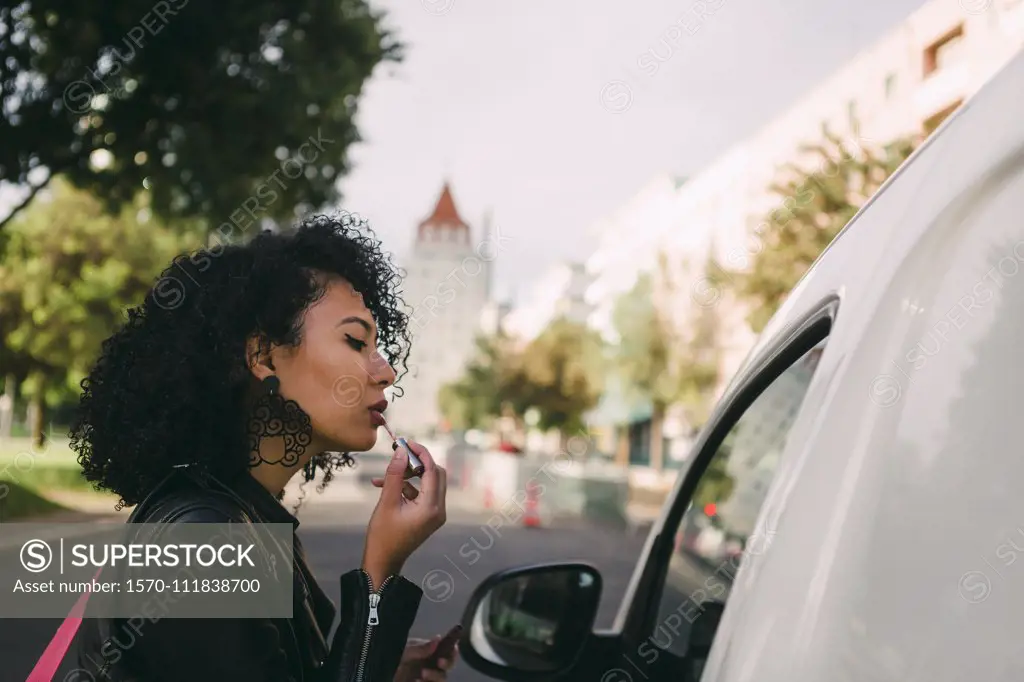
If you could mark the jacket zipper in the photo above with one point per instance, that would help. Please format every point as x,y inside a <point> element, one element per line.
<point>371,622</point>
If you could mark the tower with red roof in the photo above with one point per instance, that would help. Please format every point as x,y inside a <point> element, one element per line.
<point>447,285</point>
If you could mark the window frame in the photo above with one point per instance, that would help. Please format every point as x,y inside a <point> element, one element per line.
<point>642,600</point>
<point>930,58</point>
<point>889,86</point>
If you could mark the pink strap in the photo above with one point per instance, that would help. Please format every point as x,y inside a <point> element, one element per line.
<point>49,662</point>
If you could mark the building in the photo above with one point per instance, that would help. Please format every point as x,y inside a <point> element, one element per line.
<point>494,318</point>
<point>572,304</point>
<point>558,293</point>
<point>447,284</point>
<point>906,84</point>
<point>626,240</point>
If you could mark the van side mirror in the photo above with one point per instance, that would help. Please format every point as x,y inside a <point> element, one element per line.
<point>531,619</point>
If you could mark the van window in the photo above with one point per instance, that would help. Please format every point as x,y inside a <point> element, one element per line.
<point>720,525</point>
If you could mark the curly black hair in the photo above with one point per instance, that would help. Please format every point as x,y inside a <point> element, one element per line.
<point>170,387</point>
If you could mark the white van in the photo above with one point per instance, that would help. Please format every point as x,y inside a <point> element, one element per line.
<point>882,545</point>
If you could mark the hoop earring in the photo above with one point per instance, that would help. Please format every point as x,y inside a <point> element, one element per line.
<point>275,417</point>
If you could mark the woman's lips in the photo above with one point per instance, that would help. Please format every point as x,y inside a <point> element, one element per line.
<point>376,417</point>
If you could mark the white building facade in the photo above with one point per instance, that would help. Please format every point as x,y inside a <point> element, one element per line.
<point>494,318</point>
<point>626,241</point>
<point>559,293</point>
<point>907,83</point>
<point>447,284</point>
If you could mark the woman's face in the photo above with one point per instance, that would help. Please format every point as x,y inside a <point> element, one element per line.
<point>335,374</point>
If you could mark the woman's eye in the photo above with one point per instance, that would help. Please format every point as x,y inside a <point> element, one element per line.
<point>356,343</point>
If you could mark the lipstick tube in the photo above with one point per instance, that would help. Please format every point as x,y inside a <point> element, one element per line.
<point>415,466</point>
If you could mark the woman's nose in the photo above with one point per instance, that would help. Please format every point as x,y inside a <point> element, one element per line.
<point>382,371</point>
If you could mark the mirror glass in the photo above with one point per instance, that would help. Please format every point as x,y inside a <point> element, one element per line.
<point>537,620</point>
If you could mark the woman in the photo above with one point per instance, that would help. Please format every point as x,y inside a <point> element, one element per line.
<point>246,365</point>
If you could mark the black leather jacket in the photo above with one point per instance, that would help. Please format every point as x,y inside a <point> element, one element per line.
<point>284,650</point>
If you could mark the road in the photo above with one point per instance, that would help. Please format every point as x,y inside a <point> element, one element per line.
<point>471,546</point>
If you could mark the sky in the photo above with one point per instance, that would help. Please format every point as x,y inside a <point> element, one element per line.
<point>551,118</point>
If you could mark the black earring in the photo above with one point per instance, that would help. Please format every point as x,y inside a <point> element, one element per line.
<point>275,417</point>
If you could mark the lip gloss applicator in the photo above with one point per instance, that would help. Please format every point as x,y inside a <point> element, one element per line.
<point>416,467</point>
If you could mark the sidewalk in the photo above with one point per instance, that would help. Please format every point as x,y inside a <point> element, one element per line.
<point>345,501</point>
<point>86,514</point>
<point>92,504</point>
<point>69,524</point>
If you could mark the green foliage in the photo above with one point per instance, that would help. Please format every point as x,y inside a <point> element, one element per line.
<point>558,373</point>
<point>476,398</point>
<point>57,477</point>
<point>716,485</point>
<point>645,344</point>
<point>699,368</point>
<point>698,363</point>
<point>814,205</point>
<point>562,374</point>
<point>203,100</point>
<point>17,502</point>
<point>663,360</point>
<point>68,275</point>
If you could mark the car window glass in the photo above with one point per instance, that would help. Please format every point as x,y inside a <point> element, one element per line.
<point>719,525</point>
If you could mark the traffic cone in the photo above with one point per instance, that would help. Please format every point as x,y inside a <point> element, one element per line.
<point>531,517</point>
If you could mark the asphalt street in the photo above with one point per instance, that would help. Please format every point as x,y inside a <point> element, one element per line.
<point>471,546</point>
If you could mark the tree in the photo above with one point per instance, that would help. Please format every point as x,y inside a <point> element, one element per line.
<point>68,275</point>
<point>558,373</point>
<point>668,350</point>
<point>643,354</point>
<point>814,205</point>
<point>717,484</point>
<point>235,111</point>
<point>489,383</point>
<point>698,362</point>
<point>469,402</point>
<point>562,375</point>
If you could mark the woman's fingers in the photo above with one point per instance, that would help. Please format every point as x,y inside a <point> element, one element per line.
<point>433,675</point>
<point>433,484</point>
<point>409,491</point>
<point>423,454</point>
<point>437,484</point>
<point>443,481</point>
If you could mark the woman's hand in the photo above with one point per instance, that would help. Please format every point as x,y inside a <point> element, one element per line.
<point>403,518</point>
<point>416,662</point>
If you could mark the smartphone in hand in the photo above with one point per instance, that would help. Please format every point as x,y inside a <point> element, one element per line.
<point>446,647</point>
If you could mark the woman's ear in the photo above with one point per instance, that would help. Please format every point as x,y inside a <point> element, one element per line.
<point>258,358</point>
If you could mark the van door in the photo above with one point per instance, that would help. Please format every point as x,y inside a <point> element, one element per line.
<point>712,521</point>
